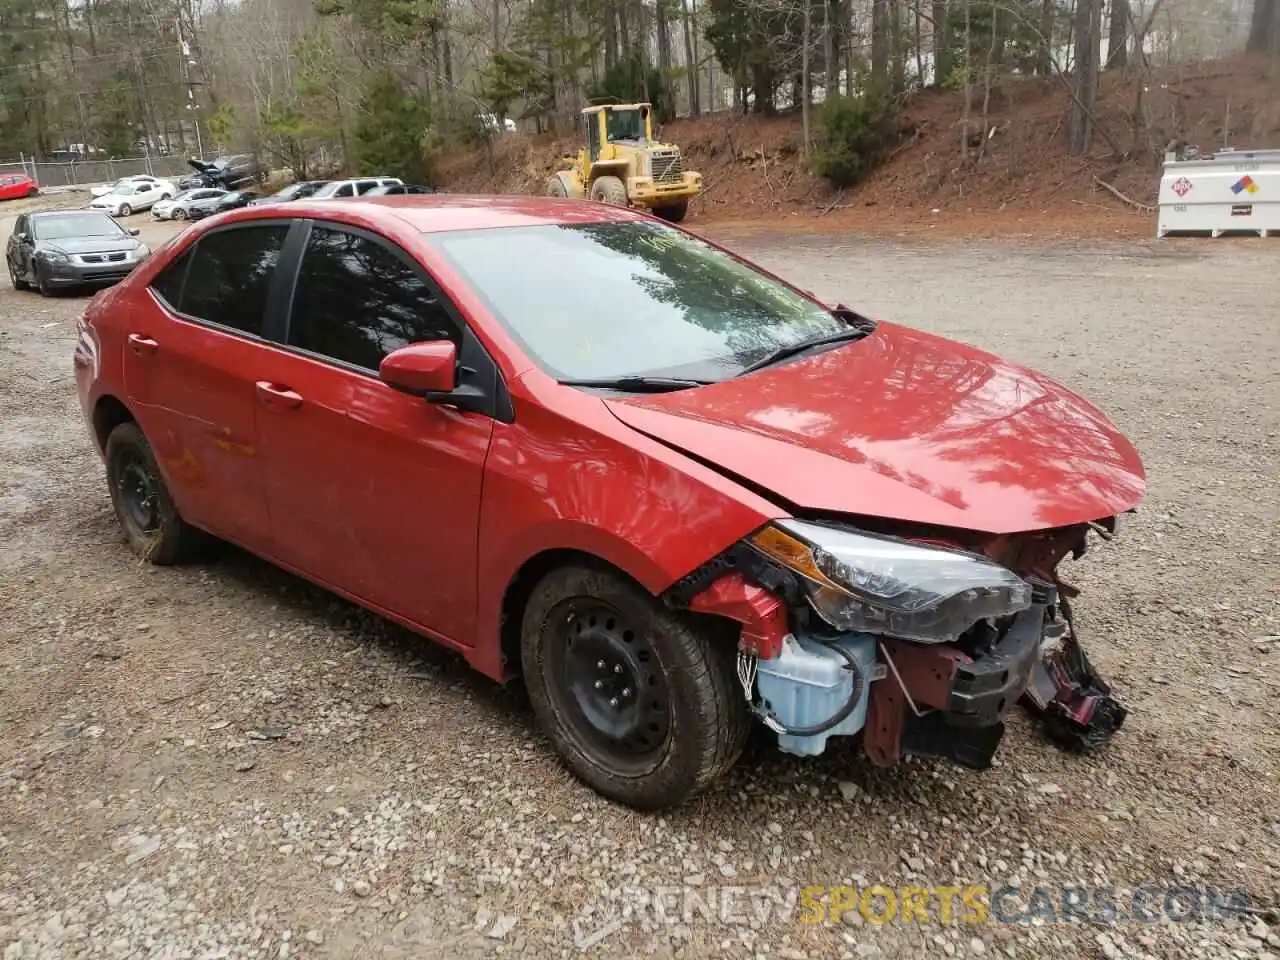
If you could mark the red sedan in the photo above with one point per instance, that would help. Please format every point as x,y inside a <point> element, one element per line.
<point>671,492</point>
<point>15,186</point>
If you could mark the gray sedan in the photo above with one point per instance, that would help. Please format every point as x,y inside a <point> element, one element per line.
<point>188,205</point>
<point>57,249</point>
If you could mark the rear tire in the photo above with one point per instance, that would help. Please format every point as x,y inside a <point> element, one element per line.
<point>641,705</point>
<point>151,523</point>
<point>674,213</point>
<point>609,190</point>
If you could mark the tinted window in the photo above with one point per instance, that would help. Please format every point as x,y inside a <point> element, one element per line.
<point>346,190</point>
<point>169,281</point>
<point>619,299</point>
<point>230,275</point>
<point>356,301</point>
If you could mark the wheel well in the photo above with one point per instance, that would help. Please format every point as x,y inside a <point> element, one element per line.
<point>108,414</point>
<point>538,566</point>
<point>521,588</point>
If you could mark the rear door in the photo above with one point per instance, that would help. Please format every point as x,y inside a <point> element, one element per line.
<point>370,490</point>
<point>192,362</point>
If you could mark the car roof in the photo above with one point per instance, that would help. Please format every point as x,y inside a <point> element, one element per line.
<point>439,213</point>
<point>83,212</point>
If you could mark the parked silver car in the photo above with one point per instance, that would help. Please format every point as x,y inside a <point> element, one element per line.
<point>188,205</point>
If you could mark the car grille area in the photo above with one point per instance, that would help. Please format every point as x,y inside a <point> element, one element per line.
<point>103,257</point>
<point>667,166</point>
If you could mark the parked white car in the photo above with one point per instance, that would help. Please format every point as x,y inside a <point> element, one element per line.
<point>130,196</point>
<point>353,188</point>
<point>188,205</point>
<point>103,189</point>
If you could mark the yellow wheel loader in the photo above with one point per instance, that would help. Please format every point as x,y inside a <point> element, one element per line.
<point>622,164</point>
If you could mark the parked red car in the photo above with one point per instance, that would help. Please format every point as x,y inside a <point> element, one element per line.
<point>585,447</point>
<point>15,186</point>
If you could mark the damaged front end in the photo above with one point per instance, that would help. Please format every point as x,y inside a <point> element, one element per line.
<point>920,645</point>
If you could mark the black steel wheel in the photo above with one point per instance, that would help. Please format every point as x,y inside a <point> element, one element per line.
<point>642,705</point>
<point>614,693</point>
<point>151,523</point>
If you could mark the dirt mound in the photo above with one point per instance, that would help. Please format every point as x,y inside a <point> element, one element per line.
<point>1019,175</point>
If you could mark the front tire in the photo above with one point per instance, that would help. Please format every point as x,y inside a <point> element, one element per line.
<point>555,188</point>
<point>18,283</point>
<point>673,213</point>
<point>179,214</point>
<point>151,522</point>
<point>609,190</point>
<point>42,287</point>
<point>125,210</point>
<point>641,705</point>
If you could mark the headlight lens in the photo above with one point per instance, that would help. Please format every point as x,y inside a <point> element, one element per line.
<point>54,256</point>
<point>858,581</point>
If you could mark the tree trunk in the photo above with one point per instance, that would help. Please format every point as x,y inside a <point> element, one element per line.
<point>1118,35</point>
<point>690,60</point>
<point>830,73</point>
<point>804,75</point>
<point>899,47</point>
<point>1264,28</point>
<point>664,53</point>
<point>968,85</point>
<point>1044,62</point>
<point>610,35</point>
<point>880,40</point>
<point>942,60</point>
<point>1088,35</point>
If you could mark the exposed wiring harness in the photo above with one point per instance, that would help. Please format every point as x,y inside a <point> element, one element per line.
<point>747,676</point>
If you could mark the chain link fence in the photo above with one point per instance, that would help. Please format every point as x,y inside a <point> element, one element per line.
<point>89,172</point>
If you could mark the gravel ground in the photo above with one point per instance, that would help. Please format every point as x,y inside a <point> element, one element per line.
<point>221,761</point>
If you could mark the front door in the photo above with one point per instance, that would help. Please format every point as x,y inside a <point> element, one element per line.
<point>372,491</point>
<point>191,364</point>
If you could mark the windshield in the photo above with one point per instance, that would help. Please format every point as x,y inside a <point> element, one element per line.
<point>73,225</point>
<point>606,300</point>
<point>625,125</point>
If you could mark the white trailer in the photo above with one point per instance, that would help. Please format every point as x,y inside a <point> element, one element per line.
<point>1233,191</point>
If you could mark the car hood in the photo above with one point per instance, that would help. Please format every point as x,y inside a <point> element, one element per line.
<point>90,244</point>
<point>908,426</point>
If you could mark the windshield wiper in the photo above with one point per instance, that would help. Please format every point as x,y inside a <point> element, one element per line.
<point>638,384</point>
<point>859,327</point>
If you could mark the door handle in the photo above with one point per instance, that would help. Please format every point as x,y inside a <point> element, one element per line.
<point>142,346</point>
<point>274,395</point>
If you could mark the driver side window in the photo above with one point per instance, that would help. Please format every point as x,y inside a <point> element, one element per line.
<point>356,300</point>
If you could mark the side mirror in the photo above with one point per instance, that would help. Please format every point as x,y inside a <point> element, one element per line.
<point>421,369</point>
<point>24,238</point>
<point>134,231</point>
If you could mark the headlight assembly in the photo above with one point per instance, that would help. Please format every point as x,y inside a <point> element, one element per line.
<point>54,256</point>
<point>864,582</point>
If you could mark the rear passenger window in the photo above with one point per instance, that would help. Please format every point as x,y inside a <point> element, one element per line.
<point>356,301</point>
<point>230,275</point>
<point>168,283</point>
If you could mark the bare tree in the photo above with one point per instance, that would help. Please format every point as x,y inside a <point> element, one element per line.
<point>1118,35</point>
<point>1088,39</point>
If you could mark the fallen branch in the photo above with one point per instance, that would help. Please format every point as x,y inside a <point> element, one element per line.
<point>1120,196</point>
<point>832,205</point>
<point>764,160</point>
